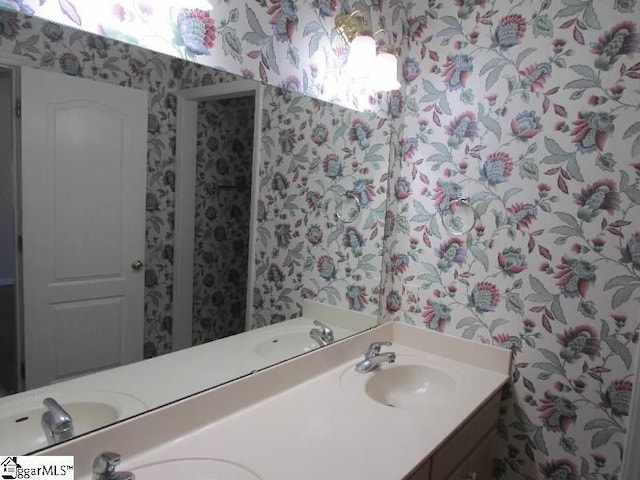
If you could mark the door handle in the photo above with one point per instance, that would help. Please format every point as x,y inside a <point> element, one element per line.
<point>137,265</point>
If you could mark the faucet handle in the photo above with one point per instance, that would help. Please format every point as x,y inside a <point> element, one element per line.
<point>327,333</point>
<point>105,464</point>
<point>375,347</point>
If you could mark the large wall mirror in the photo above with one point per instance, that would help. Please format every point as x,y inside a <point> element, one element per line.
<point>244,205</point>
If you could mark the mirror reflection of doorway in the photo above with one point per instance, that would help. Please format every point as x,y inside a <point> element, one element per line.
<point>224,162</point>
<point>9,327</point>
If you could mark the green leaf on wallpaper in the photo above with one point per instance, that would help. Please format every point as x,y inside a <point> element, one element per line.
<point>270,53</point>
<point>538,439</point>
<point>602,437</point>
<point>494,76</point>
<point>600,423</point>
<point>510,193</point>
<point>635,148</point>
<point>549,368</point>
<point>470,332</point>
<point>574,7</point>
<point>492,125</point>
<point>622,295</point>
<point>569,220</point>
<point>480,255</point>
<point>556,309</point>
<point>314,43</point>
<point>633,194</point>
<point>619,281</point>
<point>619,349</point>
<point>538,287</point>
<point>577,94</point>
<point>430,274</point>
<point>554,148</point>
<point>421,216</point>
<point>254,23</point>
<point>451,21</point>
<point>568,444</point>
<point>332,294</point>
<point>631,131</point>
<point>525,424</point>
<point>514,303</point>
<point>466,322</point>
<point>312,27</point>
<point>498,322</point>
<point>524,54</point>
<point>574,169</point>
<point>529,169</point>
<point>585,71</point>
<point>491,64</point>
<point>552,357</point>
<point>582,83</point>
<point>590,17</point>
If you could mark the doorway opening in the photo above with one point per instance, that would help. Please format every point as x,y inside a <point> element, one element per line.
<point>215,214</point>
<point>10,348</point>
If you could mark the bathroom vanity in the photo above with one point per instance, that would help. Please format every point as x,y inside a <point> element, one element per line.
<point>429,415</point>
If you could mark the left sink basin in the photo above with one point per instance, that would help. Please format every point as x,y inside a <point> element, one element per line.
<point>194,469</point>
<point>20,420</point>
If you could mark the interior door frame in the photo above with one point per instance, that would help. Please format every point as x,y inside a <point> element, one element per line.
<point>184,219</point>
<point>14,63</point>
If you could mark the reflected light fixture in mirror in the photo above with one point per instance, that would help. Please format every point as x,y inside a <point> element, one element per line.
<point>378,70</point>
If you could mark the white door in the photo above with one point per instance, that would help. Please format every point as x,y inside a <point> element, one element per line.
<point>84,149</point>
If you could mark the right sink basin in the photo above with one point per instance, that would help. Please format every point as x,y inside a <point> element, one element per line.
<point>410,385</point>
<point>411,382</point>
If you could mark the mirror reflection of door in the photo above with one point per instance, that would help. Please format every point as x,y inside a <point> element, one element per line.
<point>222,216</point>
<point>83,171</point>
<point>9,363</point>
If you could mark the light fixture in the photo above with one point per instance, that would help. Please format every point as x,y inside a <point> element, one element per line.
<point>384,77</point>
<point>377,70</point>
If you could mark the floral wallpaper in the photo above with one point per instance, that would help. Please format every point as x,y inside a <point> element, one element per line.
<point>222,221</point>
<point>312,154</point>
<point>530,110</point>
<point>286,43</point>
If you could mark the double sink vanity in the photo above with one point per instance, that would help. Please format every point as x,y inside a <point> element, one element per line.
<point>420,406</point>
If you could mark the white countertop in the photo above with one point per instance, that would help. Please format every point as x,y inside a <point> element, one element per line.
<point>155,382</point>
<point>306,419</point>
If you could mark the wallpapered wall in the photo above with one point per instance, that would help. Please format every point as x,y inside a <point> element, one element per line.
<point>312,153</point>
<point>223,211</point>
<point>528,108</point>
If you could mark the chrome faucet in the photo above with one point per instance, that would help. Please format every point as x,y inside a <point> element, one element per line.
<point>322,335</point>
<point>104,467</point>
<point>373,358</point>
<point>56,422</point>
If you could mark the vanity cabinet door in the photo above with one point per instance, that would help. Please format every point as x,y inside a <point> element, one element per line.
<point>479,465</point>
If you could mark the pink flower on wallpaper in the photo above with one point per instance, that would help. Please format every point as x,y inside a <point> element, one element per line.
<point>195,30</point>
<point>591,131</point>
<point>436,315</point>
<point>601,195</point>
<point>521,215</point>
<point>510,30</point>
<point>456,71</point>
<point>526,125</point>
<point>284,18</point>
<point>485,296</point>
<point>579,341</point>
<point>622,39</point>
<point>562,468</point>
<point>535,76</point>
<point>574,277</point>
<point>399,263</point>
<point>557,413</point>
